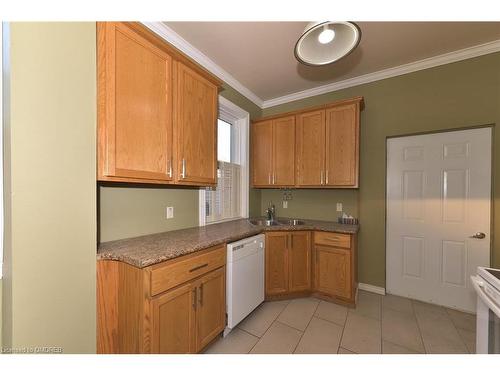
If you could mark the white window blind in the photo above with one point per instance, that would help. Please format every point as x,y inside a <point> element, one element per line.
<point>223,202</point>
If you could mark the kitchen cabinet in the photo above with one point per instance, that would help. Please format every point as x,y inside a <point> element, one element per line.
<point>326,148</point>
<point>157,110</point>
<point>195,127</point>
<point>288,262</point>
<point>273,153</point>
<point>310,148</point>
<point>189,317</point>
<point>276,263</point>
<point>335,266</point>
<point>177,306</point>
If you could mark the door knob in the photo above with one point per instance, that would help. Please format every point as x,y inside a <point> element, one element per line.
<point>478,235</point>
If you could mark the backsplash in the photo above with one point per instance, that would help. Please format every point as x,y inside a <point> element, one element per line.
<point>317,204</point>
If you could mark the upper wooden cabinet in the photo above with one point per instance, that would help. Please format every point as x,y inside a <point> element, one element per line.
<point>326,148</point>
<point>196,127</point>
<point>155,108</point>
<point>273,153</point>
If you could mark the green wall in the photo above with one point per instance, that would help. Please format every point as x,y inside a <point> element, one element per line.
<point>50,211</point>
<point>127,210</point>
<point>457,95</point>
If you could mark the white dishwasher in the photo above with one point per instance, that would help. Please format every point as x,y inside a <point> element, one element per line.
<point>244,278</point>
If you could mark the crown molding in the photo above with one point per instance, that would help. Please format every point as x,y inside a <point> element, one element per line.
<point>183,45</point>
<point>447,58</point>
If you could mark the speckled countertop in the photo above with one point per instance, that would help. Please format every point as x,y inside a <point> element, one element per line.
<point>144,251</point>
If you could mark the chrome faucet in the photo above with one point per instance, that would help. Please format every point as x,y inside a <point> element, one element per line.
<point>271,212</point>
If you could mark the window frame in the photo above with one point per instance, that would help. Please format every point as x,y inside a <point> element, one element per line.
<point>240,119</point>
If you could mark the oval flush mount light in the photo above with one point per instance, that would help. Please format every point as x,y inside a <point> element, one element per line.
<point>323,43</point>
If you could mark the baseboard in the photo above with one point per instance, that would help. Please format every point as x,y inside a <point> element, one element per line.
<point>371,288</point>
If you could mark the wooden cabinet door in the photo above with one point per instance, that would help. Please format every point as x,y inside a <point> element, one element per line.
<point>299,261</point>
<point>195,119</point>
<point>211,313</point>
<point>262,153</point>
<point>276,263</point>
<point>174,321</point>
<point>284,151</point>
<point>135,106</point>
<point>310,148</point>
<point>333,271</point>
<point>342,155</point>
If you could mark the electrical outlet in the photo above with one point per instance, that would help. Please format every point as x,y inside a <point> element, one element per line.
<point>285,204</point>
<point>339,207</point>
<point>170,212</point>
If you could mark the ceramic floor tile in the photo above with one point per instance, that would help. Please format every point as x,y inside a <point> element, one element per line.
<point>279,339</point>
<point>332,312</point>
<point>368,304</point>
<point>320,337</point>
<point>390,348</point>
<point>469,339</point>
<point>298,312</point>
<point>463,320</point>
<point>345,351</point>
<point>401,328</point>
<point>397,303</point>
<point>438,332</point>
<point>361,334</point>
<point>262,317</point>
<point>237,342</point>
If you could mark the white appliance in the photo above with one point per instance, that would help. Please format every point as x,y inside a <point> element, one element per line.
<point>487,286</point>
<point>244,278</point>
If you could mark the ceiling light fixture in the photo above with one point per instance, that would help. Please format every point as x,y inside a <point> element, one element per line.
<point>325,42</point>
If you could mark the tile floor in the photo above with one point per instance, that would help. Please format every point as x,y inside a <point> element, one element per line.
<point>379,324</point>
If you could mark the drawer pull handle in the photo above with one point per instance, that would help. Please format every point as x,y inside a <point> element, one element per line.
<point>198,267</point>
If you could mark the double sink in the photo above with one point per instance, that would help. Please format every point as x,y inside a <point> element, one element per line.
<point>271,223</point>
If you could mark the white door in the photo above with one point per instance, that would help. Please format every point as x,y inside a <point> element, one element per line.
<point>438,197</point>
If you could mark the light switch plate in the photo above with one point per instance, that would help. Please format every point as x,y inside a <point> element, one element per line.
<point>339,207</point>
<point>285,204</point>
<point>170,212</point>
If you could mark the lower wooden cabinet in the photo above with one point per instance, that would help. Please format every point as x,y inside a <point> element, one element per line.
<point>189,317</point>
<point>288,262</point>
<point>333,271</point>
<point>299,264</point>
<point>160,308</point>
<point>335,266</point>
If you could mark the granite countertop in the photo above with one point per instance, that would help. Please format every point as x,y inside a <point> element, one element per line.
<point>147,250</point>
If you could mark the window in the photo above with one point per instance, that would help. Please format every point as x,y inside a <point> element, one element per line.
<point>229,200</point>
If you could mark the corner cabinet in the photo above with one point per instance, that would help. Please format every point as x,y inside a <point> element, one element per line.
<point>157,110</point>
<point>288,262</point>
<point>303,263</point>
<point>326,147</point>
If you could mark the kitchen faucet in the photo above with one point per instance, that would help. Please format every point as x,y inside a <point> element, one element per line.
<point>271,212</point>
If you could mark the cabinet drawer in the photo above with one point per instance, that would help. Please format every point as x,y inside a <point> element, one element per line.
<point>333,239</point>
<point>164,277</point>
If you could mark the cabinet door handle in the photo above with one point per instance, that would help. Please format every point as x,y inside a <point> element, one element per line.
<point>269,178</point>
<point>169,167</point>
<point>326,178</point>
<point>183,172</point>
<point>201,295</point>
<point>194,297</point>
<point>321,177</point>
<point>273,178</point>
<point>198,267</point>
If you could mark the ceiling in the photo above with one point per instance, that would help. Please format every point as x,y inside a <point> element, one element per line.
<point>260,54</point>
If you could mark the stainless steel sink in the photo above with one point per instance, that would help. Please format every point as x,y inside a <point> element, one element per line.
<point>291,222</point>
<point>266,223</point>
